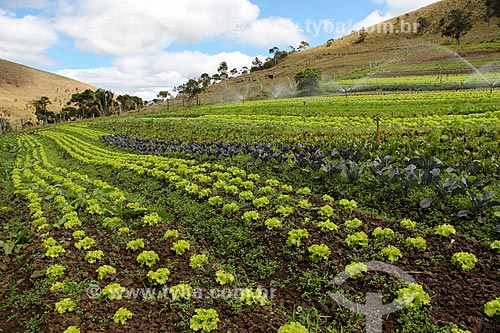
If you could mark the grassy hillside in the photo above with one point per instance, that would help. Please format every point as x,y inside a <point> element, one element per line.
<point>21,84</point>
<point>382,54</point>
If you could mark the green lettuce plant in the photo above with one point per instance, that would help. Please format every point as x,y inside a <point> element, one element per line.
<point>93,256</point>
<point>326,212</point>
<point>104,271</point>
<point>445,230</point>
<point>260,202</point>
<point>205,320</point>
<point>113,291</point>
<point>135,244</point>
<point>293,327</point>
<point>151,220</point>
<point>171,233</point>
<point>408,224</point>
<point>327,226</point>
<point>65,305</point>
<point>148,258</point>
<point>230,208</point>
<point>318,252</point>
<point>179,291</point>
<point>273,223</point>
<point>383,233</point>
<point>417,243</point>
<point>250,216</point>
<point>159,277</point>
<point>353,224</point>
<point>392,253</point>
<point>464,260</point>
<point>197,261</point>
<point>296,236</point>
<point>55,270</point>
<point>303,191</point>
<point>492,308</point>
<point>180,247</point>
<point>348,204</point>
<point>285,211</point>
<point>223,278</point>
<point>356,269</point>
<point>413,297</point>
<point>122,315</point>
<point>54,251</point>
<point>496,245</point>
<point>85,244</point>
<point>72,329</point>
<point>250,297</point>
<point>358,239</point>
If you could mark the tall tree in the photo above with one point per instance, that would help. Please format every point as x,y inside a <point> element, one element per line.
<point>104,102</point>
<point>308,79</point>
<point>459,23</point>
<point>223,70</point>
<point>41,111</point>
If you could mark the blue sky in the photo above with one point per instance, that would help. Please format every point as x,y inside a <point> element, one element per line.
<point>142,47</point>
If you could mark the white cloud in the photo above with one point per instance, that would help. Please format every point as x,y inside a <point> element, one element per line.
<point>398,7</point>
<point>145,76</point>
<point>26,39</point>
<point>269,32</point>
<point>393,8</point>
<point>126,28</point>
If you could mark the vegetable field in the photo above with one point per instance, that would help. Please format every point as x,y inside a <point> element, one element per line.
<point>240,217</point>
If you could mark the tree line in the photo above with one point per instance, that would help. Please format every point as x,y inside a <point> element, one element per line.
<point>87,104</point>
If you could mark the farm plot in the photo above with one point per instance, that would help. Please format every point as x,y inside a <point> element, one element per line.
<point>166,244</point>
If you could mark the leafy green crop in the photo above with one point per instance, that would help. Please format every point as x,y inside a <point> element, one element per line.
<point>408,224</point>
<point>65,305</point>
<point>417,243</point>
<point>496,245</point>
<point>85,244</point>
<point>93,256</point>
<point>348,204</point>
<point>171,233</point>
<point>356,269</point>
<point>492,308</point>
<point>148,258</point>
<point>230,208</point>
<point>54,251</point>
<point>261,202</point>
<point>113,291</point>
<point>445,230</point>
<point>292,327</point>
<point>326,212</point>
<point>180,291</point>
<point>413,296</point>
<point>223,278</point>
<point>250,297</point>
<point>122,315</point>
<point>151,220</point>
<point>319,252</point>
<point>250,216</point>
<point>353,224</point>
<point>383,233</point>
<point>72,329</point>
<point>285,211</point>
<point>464,260</point>
<point>358,239</point>
<point>295,236</point>
<point>197,261</point>
<point>55,270</point>
<point>303,191</point>
<point>104,271</point>
<point>392,253</point>
<point>159,277</point>
<point>273,223</point>
<point>327,226</point>
<point>205,320</point>
<point>180,247</point>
